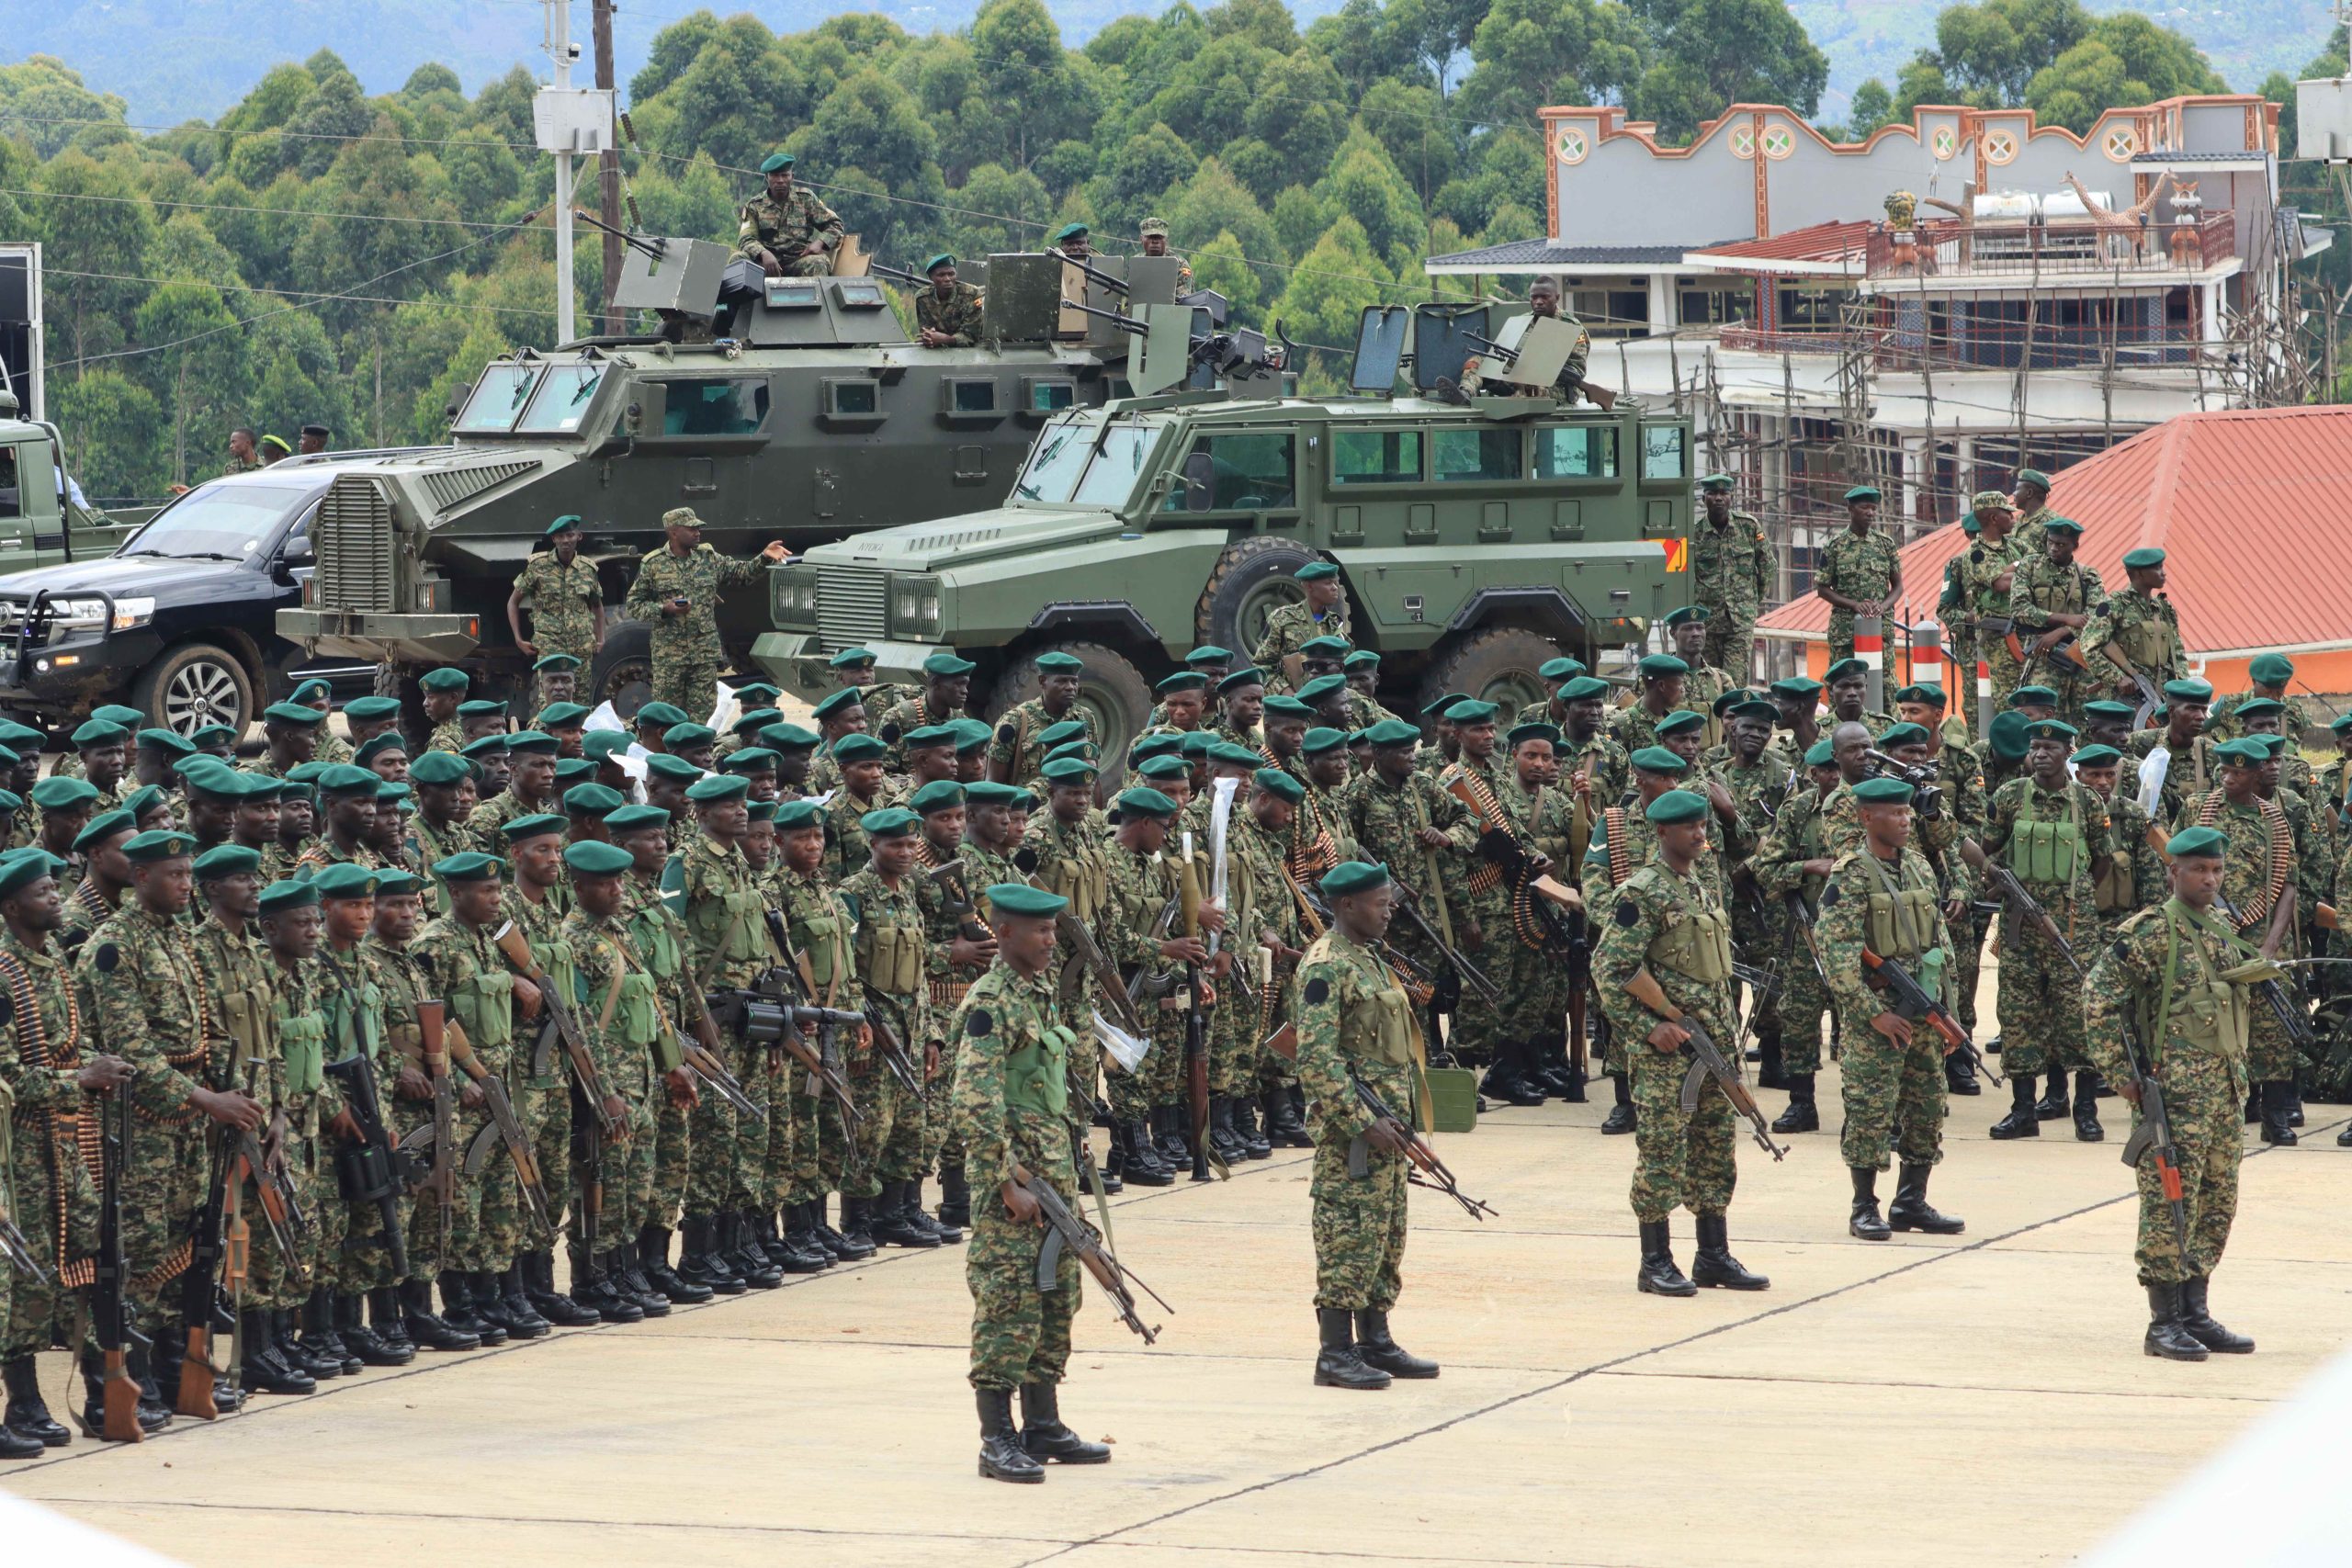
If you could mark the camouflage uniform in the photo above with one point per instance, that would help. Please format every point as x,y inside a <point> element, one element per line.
<point>1981,598</point>
<point>562,600</point>
<point>847,849</point>
<point>1012,1104</point>
<point>889,949</point>
<point>1288,627</point>
<point>463,967</point>
<point>353,1002</point>
<point>618,1003</point>
<point>1016,745</point>
<point>1894,1094</point>
<point>2188,773</point>
<point>85,910</point>
<point>450,735</point>
<point>1140,887</point>
<point>2144,629</point>
<point>1535,980</point>
<point>55,1194</point>
<point>2043,588</point>
<point>1798,833</point>
<point>688,655</point>
<point>787,228</point>
<point>308,1100</point>
<point>2164,968</point>
<point>391,972</point>
<point>1859,566</point>
<point>1355,1022</point>
<point>819,921</point>
<point>2254,831</point>
<point>959,315</point>
<point>713,889</point>
<point>548,1091</point>
<point>1259,897</point>
<point>1732,567</point>
<point>1680,1159</point>
<point>2040,1000</point>
<point>658,934</point>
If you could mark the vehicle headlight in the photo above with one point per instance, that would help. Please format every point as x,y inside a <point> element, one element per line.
<point>914,608</point>
<point>129,613</point>
<point>794,597</point>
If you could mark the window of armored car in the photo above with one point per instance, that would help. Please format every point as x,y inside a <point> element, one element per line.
<point>12,495</point>
<point>1576,452</point>
<point>498,398</point>
<point>1662,452</point>
<point>563,398</point>
<point>714,405</point>
<point>974,395</point>
<point>1123,458</point>
<point>1044,396</point>
<point>1242,471</point>
<point>1055,462</point>
<point>1375,457</point>
<point>1476,455</point>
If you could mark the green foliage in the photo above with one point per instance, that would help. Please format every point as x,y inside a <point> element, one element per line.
<point>111,422</point>
<point>2053,57</point>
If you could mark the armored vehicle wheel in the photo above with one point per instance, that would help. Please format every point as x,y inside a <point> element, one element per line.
<point>1113,691</point>
<point>1251,579</point>
<point>1498,665</point>
<point>623,673</point>
<point>192,685</point>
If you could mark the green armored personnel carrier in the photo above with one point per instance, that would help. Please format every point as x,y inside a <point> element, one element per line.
<point>790,408</point>
<point>43,520</point>
<point>1474,536</point>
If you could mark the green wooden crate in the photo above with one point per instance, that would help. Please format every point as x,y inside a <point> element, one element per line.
<point>1454,1098</point>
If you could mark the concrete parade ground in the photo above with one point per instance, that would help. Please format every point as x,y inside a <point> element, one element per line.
<point>1978,1399</point>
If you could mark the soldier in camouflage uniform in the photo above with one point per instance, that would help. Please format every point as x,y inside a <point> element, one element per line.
<point>1323,613</point>
<point>1667,924</point>
<point>1732,570</point>
<point>1686,630</point>
<point>819,924</point>
<point>530,789</point>
<point>1012,1109</point>
<point>2189,768</point>
<point>47,1075</point>
<point>948,314</point>
<point>1662,677</point>
<point>105,877</point>
<point>1791,866</point>
<point>1622,843</point>
<point>1987,572</point>
<point>2052,600</point>
<point>787,231</point>
<point>1859,573</point>
<point>2168,977</point>
<point>677,589</point>
<point>1018,749</point>
<point>959,949</point>
<point>2052,833</point>
<point>889,953</point>
<point>443,690</point>
<point>1356,1026</point>
<point>566,602</point>
<point>2269,674</point>
<point>1884,899</point>
<point>2136,633</point>
<point>347,800</point>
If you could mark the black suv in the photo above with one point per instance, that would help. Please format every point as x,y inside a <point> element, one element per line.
<point>180,621</point>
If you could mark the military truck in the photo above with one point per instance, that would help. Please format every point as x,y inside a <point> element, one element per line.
<point>1475,533</point>
<point>790,408</point>
<point>43,519</point>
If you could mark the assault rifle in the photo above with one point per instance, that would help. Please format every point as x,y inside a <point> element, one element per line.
<point>2293,1019</point>
<point>1913,1004</point>
<point>109,1288</point>
<point>894,1055</point>
<point>281,1201</point>
<point>2021,901</point>
<point>440,1133</point>
<point>1408,904</point>
<point>1706,1061</point>
<point>208,1248</point>
<point>562,1026</point>
<point>1065,1232</point>
<point>372,1170</point>
<point>1086,951</point>
<point>506,1127</point>
<point>1427,1170</point>
<point>2154,1131</point>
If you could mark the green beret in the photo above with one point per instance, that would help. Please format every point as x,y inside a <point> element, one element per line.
<point>671,767</point>
<point>169,741</point>
<point>718,786</point>
<point>1055,661</point>
<point>1680,720</point>
<point>568,520</point>
<point>1145,801</point>
<point>787,738</point>
<point>485,746</point>
<point>944,662</point>
<point>2033,477</point>
<point>1164,767</point>
<point>1182,680</point>
<point>2061,525</point>
<point>1322,738</point>
<point>1322,686</point>
<point>850,658</point>
<point>518,828</point>
<point>1020,899</point>
<point>1060,734</point>
<point>2247,751</point>
<point>439,768</point>
<point>1274,781</point>
<point>1392,732</point>
<point>1069,771</point>
<point>1289,706</point>
<point>838,701</point>
<point>753,720</point>
<point>560,716</point>
<point>1658,759</point>
<point>445,678</point>
<point>18,736</point>
<point>102,828</point>
<point>1715,482</point>
<point>482,707</point>
<point>970,734</point>
<point>2144,558</point>
<point>376,746</point>
<point>1325,644</point>
<point>1861,492</point>
<point>2277,743</point>
<point>1248,675</point>
<point>660,715</point>
<point>1232,756</point>
<point>1755,707</point>
<point>368,709</point>
<point>629,818</point>
<point>1657,664</point>
<point>2034,696</point>
<point>281,896</point>
<point>748,760</point>
<point>1730,698</point>
<point>2201,843</point>
<point>1353,876</point>
<point>131,718</point>
<point>1882,791</point>
<point>987,792</point>
<point>1903,735</point>
<point>208,776</point>
<point>593,857</point>
<point>343,778</point>
<point>939,794</point>
<point>1361,658</point>
<point>1990,501</point>
<point>55,794</point>
<point>1686,613</point>
<point>592,800</point>
<point>2006,734</point>
<point>1846,667</point>
<point>345,879</point>
<point>391,881</point>
<point>793,815</point>
<point>391,790</point>
<point>1196,742</point>
<point>307,773</point>
<point>1069,231</point>
<point>471,866</point>
<point>160,844</point>
<point>226,860</point>
<point>678,735</point>
<point>544,662</point>
<point>2111,710</point>
<point>601,744</point>
<point>761,811</point>
<point>2189,691</point>
<point>313,687</point>
<point>2271,669</point>
<point>1820,754</point>
<point>1469,711</point>
<point>1316,572</point>
<point>2051,729</point>
<point>1676,806</point>
<point>1534,730</point>
<point>1208,653</point>
<point>1797,688</point>
<point>888,822</point>
<point>945,258</point>
<point>143,799</point>
<point>2098,757</point>
<point>2343,723</point>
<point>294,714</point>
<point>774,162</point>
<point>1583,689</point>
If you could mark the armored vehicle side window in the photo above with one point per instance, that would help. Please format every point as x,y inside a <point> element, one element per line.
<point>1476,455</point>
<point>1057,461</point>
<point>12,498</point>
<point>1247,471</point>
<point>977,396</point>
<point>1375,457</point>
<point>731,405</point>
<point>1124,457</point>
<point>1048,397</point>
<point>1662,452</point>
<point>565,393</point>
<point>498,398</point>
<point>1588,451</point>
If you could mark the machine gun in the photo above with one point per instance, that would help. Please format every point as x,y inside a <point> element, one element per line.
<point>1508,353</point>
<point>1408,904</point>
<point>109,1288</point>
<point>373,1170</point>
<point>1707,1061</point>
<point>1225,352</point>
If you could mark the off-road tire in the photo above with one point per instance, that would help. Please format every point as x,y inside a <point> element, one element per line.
<point>622,672</point>
<point>1242,590</point>
<point>1112,688</point>
<point>195,684</point>
<point>1497,665</point>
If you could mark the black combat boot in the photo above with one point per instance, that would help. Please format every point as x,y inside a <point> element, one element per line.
<point>522,1321</point>
<point>1572,1087</point>
<point>1712,1264</point>
<point>1768,1071</point>
<point>562,1310</point>
<point>2253,1104</point>
<point>384,1313</point>
<point>2199,1324</point>
<point>801,1227</point>
<point>892,1226</point>
<point>1167,1124</point>
<point>743,1255</point>
<point>956,1195</point>
<point>2022,1121</point>
<point>1338,1363</point>
<point>1960,1074</point>
<point>1002,1456</point>
<point>1801,1114</point>
<point>306,1358</point>
<point>28,1415</point>
<point>320,1315</point>
<point>2053,1103</point>
<point>92,1418</point>
<point>2168,1337</point>
<point>1621,1114</point>
<point>800,1254</point>
<point>1658,1275</point>
<point>2343,1139</point>
<point>841,1243</point>
<point>1111,1184</point>
<point>1376,1348</point>
<point>698,1262</point>
<point>426,1330</point>
<point>1044,1436</point>
<point>1285,1127</point>
<point>363,1342</point>
<point>619,1304</point>
<point>2277,1096</point>
<point>2087,1127</point>
<point>632,1284</point>
<point>949,1236</point>
<point>1507,1080</point>
<point>1249,1122</point>
<point>1143,1167</point>
<point>1222,1137</point>
<point>457,1309</point>
<point>1866,1223</point>
<point>1912,1211</point>
<point>154,1408</point>
<point>265,1369</point>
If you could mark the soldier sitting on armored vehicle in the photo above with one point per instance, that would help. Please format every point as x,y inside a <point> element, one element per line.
<point>788,232</point>
<point>948,313</point>
<point>1568,387</point>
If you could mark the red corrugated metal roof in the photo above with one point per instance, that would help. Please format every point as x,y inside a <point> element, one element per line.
<point>1820,241</point>
<point>2247,506</point>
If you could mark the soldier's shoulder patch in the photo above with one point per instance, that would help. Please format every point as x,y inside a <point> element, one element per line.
<point>1318,991</point>
<point>1007,733</point>
<point>1629,913</point>
<point>1977,554</point>
<point>2102,608</point>
<point>107,957</point>
<point>977,1022</point>
<point>890,733</point>
<point>1829,896</point>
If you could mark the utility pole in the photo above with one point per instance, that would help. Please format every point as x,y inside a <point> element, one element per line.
<point>609,168</point>
<point>563,51</point>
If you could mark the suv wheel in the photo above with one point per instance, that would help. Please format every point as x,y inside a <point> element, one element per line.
<point>622,674</point>
<point>1251,579</point>
<point>192,685</point>
<point>1112,690</point>
<point>1498,665</point>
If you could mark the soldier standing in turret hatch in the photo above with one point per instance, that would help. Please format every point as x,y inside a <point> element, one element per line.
<point>788,232</point>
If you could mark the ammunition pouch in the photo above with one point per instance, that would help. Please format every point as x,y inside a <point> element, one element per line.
<point>1697,947</point>
<point>1036,1076</point>
<point>890,958</point>
<point>2114,887</point>
<point>302,1045</point>
<point>364,1174</point>
<point>2044,853</point>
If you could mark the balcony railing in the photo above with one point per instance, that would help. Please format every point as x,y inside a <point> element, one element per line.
<point>1949,248</point>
